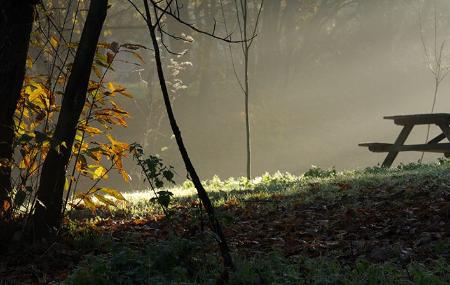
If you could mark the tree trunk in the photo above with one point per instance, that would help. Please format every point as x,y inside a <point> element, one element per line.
<point>247,115</point>
<point>16,21</point>
<point>47,216</point>
<point>213,221</point>
<point>246,51</point>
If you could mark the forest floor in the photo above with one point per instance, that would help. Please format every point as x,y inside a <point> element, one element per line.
<point>372,226</point>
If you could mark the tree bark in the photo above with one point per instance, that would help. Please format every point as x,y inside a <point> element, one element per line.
<point>16,21</point>
<point>48,212</point>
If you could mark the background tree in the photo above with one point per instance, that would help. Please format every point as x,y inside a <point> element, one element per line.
<point>248,35</point>
<point>435,57</point>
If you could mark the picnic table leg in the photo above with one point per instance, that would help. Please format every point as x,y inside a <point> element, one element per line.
<point>445,129</point>
<point>446,132</point>
<point>437,139</point>
<point>398,142</point>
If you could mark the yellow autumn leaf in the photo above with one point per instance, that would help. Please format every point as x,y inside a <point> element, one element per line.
<point>46,144</point>
<point>111,87</point>
<point>118,147</point>
<point>117,109</point>
<point>26,115</point>
<point>29,62</point>
<point>54,41</point>
<point>39,96</point>
<point>126,177</point>
<point>105,200</point>
<point>78,138</point>
<point>89,203</point>
<point>93,86</point>
<point>35,94</point>
<point>125,93</point>
<point>33,169</point>
<point>92,130</point>
<point>100,172</point>
<point>120,121</point>
<point>22,128</point>
<point>28,90</point>
<point>113,192</point>
<point>22,164</point>
<point>81,164</point>
<point>66,184</point>
<point>97,71</point>
<point>95,153</point>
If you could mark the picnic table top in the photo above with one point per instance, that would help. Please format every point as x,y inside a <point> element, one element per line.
<point>442,120</point>
<point>420,119</point>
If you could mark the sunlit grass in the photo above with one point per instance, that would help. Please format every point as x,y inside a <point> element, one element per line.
<point>315,186</point>
<point>317,183</point>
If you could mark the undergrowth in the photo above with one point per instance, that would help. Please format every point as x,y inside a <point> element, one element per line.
<point>182,261</point>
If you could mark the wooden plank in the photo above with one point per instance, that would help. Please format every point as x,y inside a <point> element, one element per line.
<point>385,147</point>
<point>420,119</point>
<point>377,147</point>
<point>438,148</point>
<point>398,142</point>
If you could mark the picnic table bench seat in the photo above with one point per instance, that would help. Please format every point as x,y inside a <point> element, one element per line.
<point>442,120</point>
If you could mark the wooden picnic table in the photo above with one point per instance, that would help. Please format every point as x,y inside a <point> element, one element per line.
<point>442,120</point>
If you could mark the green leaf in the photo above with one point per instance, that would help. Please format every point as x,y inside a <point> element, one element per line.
<point>24,138</point>
<point>164,198</point>
<point>41,137</point>
<point>168,175</point>
<point>19,198</point>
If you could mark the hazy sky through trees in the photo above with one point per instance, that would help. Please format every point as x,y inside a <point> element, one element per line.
<point>324,73</point>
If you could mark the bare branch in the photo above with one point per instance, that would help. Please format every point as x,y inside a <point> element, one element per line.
<point>138,10</point>
<point>238,79</point>
<point>174,36</point>
<point>256,24</point>
<point>226,38</point>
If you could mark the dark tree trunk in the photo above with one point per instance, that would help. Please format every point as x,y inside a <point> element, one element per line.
<point>202,194</point>
<point>47,216</point>
<point>16,21</point>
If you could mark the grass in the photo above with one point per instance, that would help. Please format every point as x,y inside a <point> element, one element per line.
<point>370,226</point>
<point>308,187</point>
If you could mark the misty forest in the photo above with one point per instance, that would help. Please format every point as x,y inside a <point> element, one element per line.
<point>243,142</point>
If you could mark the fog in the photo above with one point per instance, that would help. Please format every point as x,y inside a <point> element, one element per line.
<point>322,76</point>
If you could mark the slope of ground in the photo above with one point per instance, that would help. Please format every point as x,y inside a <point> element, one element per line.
<point>373,226</point>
